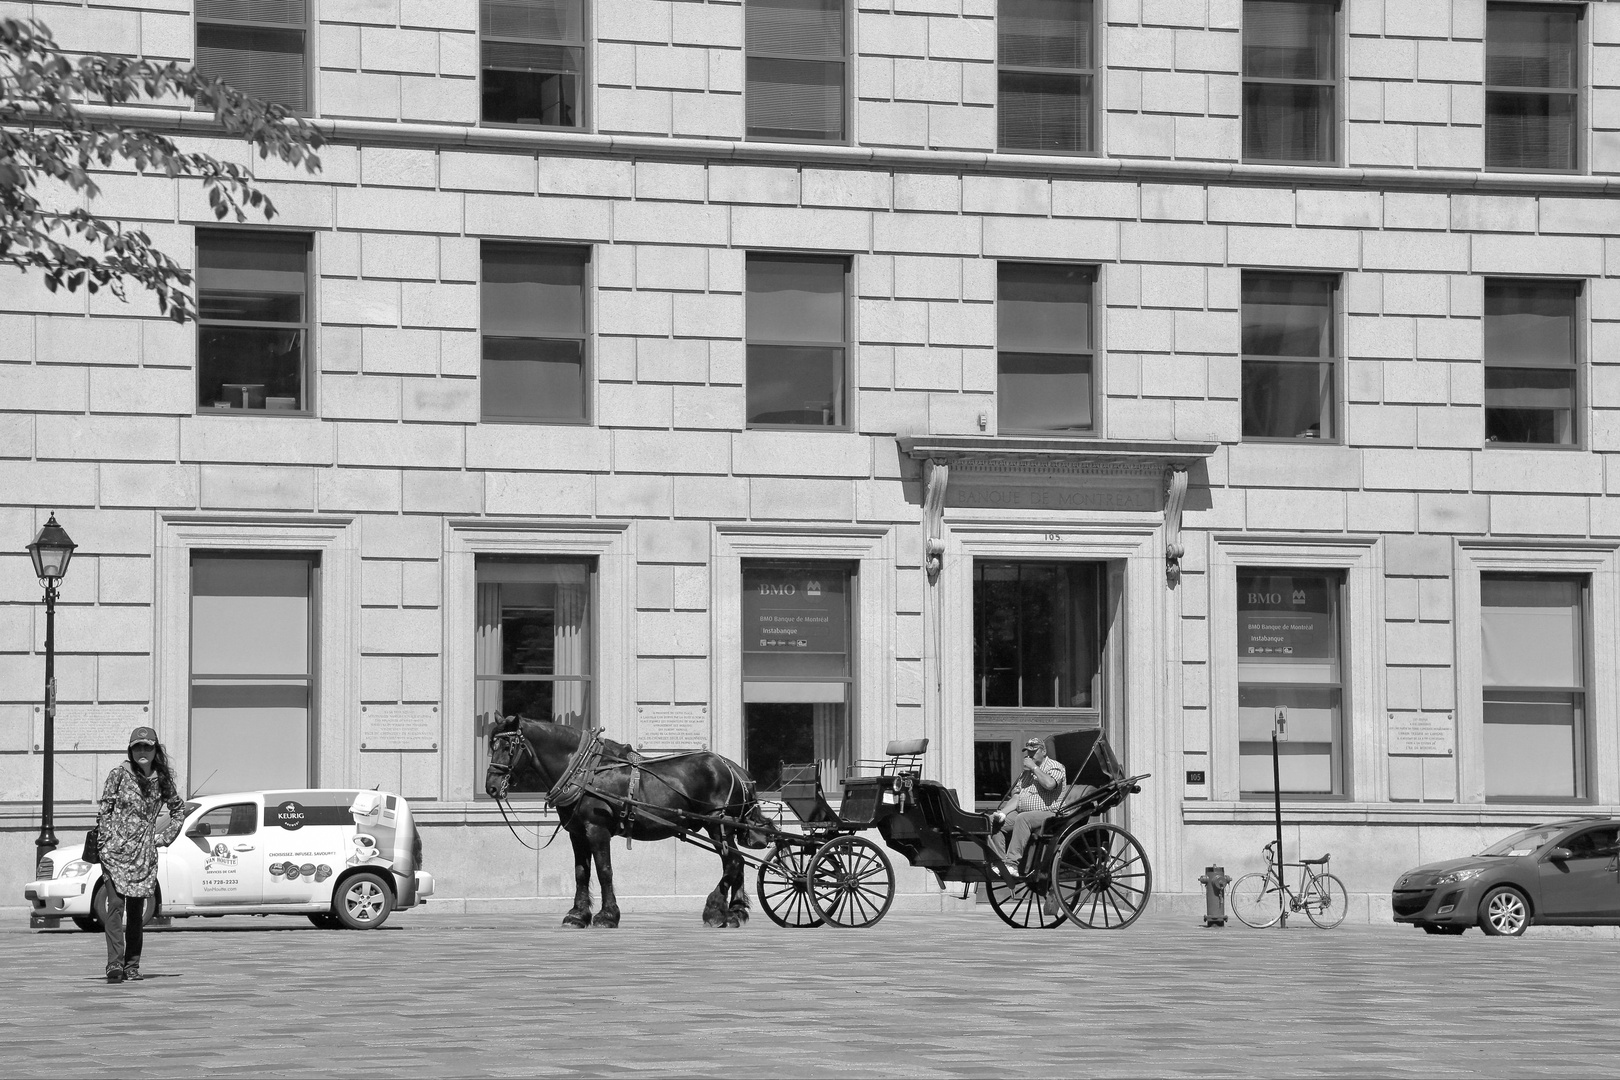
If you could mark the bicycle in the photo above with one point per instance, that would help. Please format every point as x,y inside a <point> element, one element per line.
<point>1260,900</point>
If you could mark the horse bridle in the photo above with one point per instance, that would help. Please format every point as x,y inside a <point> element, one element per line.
<point>504,772</point>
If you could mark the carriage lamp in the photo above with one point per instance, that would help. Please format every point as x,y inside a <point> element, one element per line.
<point>51,551</point>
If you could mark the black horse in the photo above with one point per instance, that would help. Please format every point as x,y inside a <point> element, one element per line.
<point>532,755</point>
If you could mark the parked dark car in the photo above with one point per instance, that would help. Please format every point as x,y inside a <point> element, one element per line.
<point>1563,873</point>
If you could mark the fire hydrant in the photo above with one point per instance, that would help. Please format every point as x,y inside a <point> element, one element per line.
<point>1214,882</point>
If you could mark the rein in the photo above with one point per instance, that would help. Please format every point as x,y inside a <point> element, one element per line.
<point>505,772</point>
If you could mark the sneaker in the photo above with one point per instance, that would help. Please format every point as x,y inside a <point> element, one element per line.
<point>116,975</point>
<point>132,973</point>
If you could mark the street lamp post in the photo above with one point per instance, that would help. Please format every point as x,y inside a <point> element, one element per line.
<point>51,551</point>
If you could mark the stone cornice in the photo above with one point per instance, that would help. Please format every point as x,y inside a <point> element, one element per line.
<point>705,151</point>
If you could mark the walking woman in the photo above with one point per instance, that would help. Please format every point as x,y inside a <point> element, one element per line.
<point>134,793</point>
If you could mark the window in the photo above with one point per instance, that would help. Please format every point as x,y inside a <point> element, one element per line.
<point>1044,351</point>
<point>1532,637</point>
<point>253,321</point>
<point>1038,635</point>
<point>533,301</point>
<point>1046,50</point>
<point>532,649</point>
<point>256,46</point>
<point>797,673</point>
<point>1532,86</point>
<point>239,819</point>
<point>796,341</point>
<point>1530,361</point>
<point>1289,665</point>
<point>796,58</point>
<point>1289,350</point>
<point>252,672</point>
<point>532,60</point>
<point>1289,80</point>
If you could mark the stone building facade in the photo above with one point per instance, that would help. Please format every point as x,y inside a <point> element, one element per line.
<point>561,411</point>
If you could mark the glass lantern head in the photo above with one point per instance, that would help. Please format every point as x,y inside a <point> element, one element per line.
<point>51,551</point>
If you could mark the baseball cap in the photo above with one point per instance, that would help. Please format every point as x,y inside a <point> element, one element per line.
<point>1035,744</point>
<point>143,734</point>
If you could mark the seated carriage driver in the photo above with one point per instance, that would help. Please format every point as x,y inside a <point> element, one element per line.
<point>1030,804</point>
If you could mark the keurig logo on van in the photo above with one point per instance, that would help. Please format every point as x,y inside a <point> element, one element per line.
<point>289,815</point>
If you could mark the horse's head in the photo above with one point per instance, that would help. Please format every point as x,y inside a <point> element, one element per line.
<point>510,757</point>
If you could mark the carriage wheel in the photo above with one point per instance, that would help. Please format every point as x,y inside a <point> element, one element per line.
<point>1022,907</point>
<point>851,882</point>
<point>784,888</point>
<point>1102,877</point>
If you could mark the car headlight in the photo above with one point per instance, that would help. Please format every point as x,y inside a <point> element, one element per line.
<point>1457,876</point>
<point>76,868</point>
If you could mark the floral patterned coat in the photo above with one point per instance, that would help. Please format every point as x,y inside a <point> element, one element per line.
<point>129,840</point>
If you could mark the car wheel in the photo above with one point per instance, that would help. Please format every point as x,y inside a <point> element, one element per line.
<point>326,921</point>
<point>1504,912</point>
<point>364,902</point>
<point>1431,928</point>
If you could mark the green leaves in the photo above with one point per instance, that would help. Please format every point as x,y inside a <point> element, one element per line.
<point>46,136</point>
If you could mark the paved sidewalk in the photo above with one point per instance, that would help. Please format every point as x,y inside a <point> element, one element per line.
<point>916,996</point>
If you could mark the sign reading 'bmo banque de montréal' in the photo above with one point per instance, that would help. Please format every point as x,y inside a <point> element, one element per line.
<point>796,610</point>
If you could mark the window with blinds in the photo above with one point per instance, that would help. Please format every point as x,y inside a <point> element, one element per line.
<point>532,302</point>
<point>796,340</point>
<point>257,47</point>
<point>532,61</point>
<point>1047,71</point>
<point>1290,356</point>
<point>1532,86</point>
<point>1533,632</point>
<point>1531,361</point>
<point>252,320</point>
<point>797,55</point>
<point>1290,80</point>
<point>1044,359</point>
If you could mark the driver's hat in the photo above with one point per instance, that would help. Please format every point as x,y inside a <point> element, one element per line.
<point>1035,744</point>
<point>143,735</point>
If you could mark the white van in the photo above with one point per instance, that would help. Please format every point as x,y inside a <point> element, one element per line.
<point>344,858</point>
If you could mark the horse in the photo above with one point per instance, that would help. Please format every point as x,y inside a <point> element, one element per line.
<point>534,755</point>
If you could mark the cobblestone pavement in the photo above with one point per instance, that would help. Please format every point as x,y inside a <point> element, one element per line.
<point>916,996</point>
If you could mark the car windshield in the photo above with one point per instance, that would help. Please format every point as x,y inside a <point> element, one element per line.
<point>1525,842</point>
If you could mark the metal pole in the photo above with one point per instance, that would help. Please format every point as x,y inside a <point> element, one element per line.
<point>47,809</point>
<point>1276,802</point>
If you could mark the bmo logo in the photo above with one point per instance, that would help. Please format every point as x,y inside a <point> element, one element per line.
<point>778,589</point>
<point>1256,598</point>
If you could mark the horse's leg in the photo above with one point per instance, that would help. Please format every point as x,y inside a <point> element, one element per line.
<point>580,914</point>
<point>715,907</point>
<point>734,870</point>
<point>601,840</point>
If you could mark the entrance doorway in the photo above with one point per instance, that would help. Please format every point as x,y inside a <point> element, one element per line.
<point>1041,659</point>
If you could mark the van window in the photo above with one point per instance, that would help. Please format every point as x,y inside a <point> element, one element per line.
<point>238,819</point>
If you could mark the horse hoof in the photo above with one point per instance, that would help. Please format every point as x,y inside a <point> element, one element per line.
<point>604,919</point>
<point>733,923</point>
<point>576,921</point>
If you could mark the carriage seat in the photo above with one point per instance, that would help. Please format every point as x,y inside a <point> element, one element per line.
<point>941,809</point>
<point>906,747</point>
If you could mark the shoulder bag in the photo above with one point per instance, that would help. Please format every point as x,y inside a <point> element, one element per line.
<point>92,845</point>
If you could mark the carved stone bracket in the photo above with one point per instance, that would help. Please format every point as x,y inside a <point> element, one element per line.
<point>1175,494</point>
<point>936,475</point>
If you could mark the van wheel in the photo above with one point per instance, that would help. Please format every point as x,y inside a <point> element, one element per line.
<point>325,920</point>
<point>98,908</point>
<point>364,902</point>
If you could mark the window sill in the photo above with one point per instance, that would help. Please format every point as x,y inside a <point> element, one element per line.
<point>292,414</point>
<point>1339,812</point>
<point>1562,448</point>
<point>1284,440</point>
<point>526,422</point>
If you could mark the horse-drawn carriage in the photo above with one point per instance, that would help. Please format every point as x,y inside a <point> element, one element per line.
<point>817,868</point>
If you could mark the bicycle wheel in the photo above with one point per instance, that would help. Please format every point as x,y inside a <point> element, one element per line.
<point>1256,899</point>
<point>1325,901</point>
